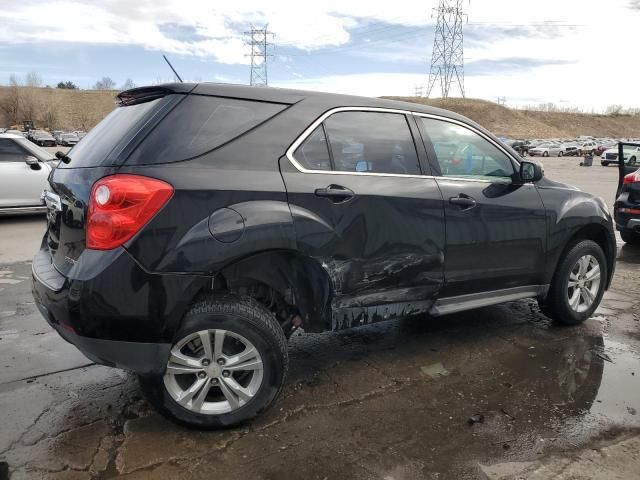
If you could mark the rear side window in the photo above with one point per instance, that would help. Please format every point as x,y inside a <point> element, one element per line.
<point>376,142</point>
<point>198,125</point>
<point>117,129</point>
<point>313,154</point>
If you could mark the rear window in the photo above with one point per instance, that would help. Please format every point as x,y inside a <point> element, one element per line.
<point>198,125</point>
<point>116,130</point>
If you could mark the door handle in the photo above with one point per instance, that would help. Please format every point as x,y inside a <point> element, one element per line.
<point>463,201</point>
<point>335,193</point>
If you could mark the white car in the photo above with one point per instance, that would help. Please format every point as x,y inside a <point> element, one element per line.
<point>588,147</point>
<point>611,156</point>
<point>547,149</point>
<point>24,169</point>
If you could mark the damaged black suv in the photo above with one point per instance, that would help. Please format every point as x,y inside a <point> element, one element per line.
<point>199,225</point>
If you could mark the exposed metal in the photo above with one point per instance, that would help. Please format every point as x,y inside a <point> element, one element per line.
<point>447,60</point>
<point>257,40</point>
<point>213,372</point>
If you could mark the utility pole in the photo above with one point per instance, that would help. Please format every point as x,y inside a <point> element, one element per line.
<point>502,101</point>
<point>447,60</point>
<point>257,40</point>
<point>418,91</point>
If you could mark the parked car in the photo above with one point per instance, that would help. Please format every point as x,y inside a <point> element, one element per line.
<point>587,148</point>
<point>627,206</point>
<point>24,169</point>
<point>521,146</point>
<point>68,139</point>
<point>43,139</point>
<point>611,156</point>
<point>229,216</point>
<point>548,149</point>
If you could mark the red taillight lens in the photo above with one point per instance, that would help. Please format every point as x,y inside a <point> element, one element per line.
<point>632,177</point>
<point>120,205</point>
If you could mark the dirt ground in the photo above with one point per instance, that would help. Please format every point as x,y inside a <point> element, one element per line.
<point>496,393</point>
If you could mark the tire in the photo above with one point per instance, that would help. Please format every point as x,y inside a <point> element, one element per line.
<point>560,153</point>
<point>604,164</point>
<point>630,237</point>
<point>545,154</point>
<point>556,304</point>
<point>632,161</point>
<point>593,153</point>
<point>243,321</point>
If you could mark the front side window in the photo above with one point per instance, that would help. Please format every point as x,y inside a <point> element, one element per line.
<point>372,142</point>
<point>10,151</point>
<point>461,152</point>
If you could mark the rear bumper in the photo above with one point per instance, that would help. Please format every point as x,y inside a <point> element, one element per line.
<point>113,311</point>
<point>138,357</point>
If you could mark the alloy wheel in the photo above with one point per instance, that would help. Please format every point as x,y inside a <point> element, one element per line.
<point>213,372</point>
<point>584,283</point>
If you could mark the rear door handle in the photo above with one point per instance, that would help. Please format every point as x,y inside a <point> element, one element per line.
<point>335,193</point>
<point>464,202</point>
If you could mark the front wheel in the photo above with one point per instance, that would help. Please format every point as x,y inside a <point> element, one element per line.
<point>605,164</point>
<point>227,364</point>
<point>560,153</point>
<point>578,284</point>
<point>545,154</point>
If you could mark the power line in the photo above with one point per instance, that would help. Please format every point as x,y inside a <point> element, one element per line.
<point>260,52</point>
<point>447,60</point>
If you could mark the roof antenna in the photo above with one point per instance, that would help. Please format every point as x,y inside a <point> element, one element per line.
<point>171,67</point>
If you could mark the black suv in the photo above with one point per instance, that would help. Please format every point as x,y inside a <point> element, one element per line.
<point>199,225</point>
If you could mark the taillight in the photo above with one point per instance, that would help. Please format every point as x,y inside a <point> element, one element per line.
<point>120,205</point>
<point>632,178</point>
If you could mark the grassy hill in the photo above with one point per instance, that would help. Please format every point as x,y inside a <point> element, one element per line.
<point>58,109</point>
<point>533,124</point>
<point>81,109</point>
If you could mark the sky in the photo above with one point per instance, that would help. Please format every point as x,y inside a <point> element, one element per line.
<point>573,53</point>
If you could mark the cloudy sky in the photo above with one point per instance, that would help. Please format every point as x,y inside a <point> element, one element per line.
<point>569,52</point>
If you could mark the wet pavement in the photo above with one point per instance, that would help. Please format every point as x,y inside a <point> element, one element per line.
<point>411,399</point>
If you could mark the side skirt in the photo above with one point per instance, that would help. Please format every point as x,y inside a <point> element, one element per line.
<point>445,306</point>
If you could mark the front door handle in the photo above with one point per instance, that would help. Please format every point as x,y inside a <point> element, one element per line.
<point>335,193</point>
<point>463,201</point>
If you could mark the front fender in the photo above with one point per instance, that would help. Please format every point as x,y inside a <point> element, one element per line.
<point>572,215</point>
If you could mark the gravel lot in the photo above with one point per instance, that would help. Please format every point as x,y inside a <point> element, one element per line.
<point>389,401</point>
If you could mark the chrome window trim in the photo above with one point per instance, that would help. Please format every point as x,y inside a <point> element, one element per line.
<point>309,130</point>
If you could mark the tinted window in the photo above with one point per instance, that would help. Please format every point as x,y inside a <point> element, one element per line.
<point>117,129</point>
<point>463,153</point>
<point>200,124</point>
<point>372,142</point>
<point>10,151</point>
<point>313,154</point>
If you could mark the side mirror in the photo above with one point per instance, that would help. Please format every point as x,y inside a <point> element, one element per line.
<point>33,162</point>
<point>530,172</point>
<point>59,155</point>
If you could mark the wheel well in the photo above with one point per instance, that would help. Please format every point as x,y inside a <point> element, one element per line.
<point>599,234</point>
<point>286,283</point>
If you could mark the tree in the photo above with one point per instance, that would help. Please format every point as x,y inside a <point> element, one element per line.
<point>33,79</point>
<point>68,85</point>
<point>11,103</point>
<point>613,110</point>
<point>128,83</point>
<point>106,83</point>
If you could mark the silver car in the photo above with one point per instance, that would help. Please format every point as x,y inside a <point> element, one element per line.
<point>24,168</point>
